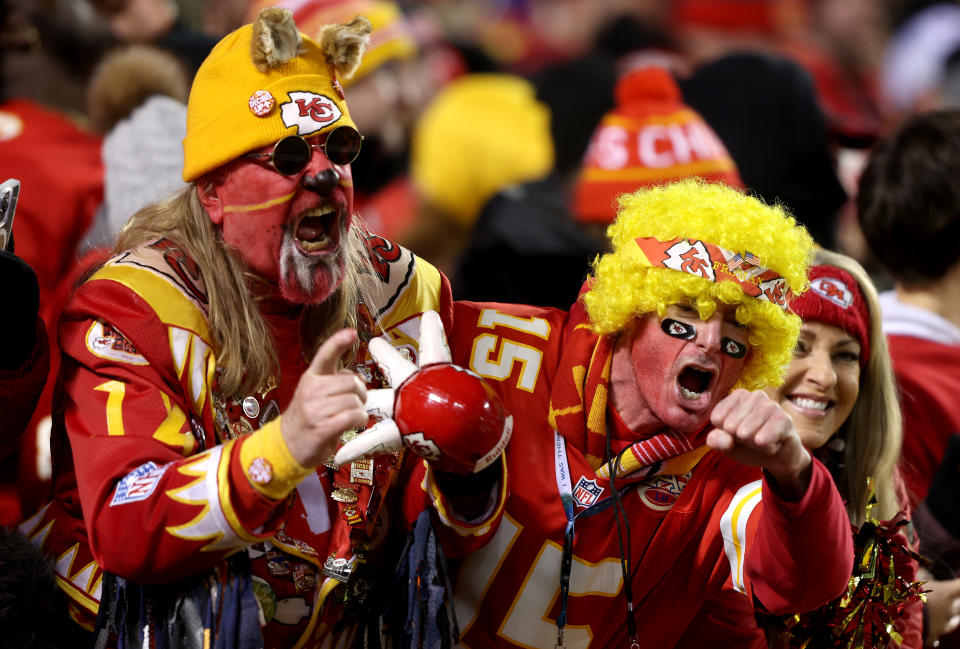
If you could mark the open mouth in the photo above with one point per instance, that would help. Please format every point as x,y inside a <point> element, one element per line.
<point>816,405</point>
<point>318,230</point>
<point>694,381</point>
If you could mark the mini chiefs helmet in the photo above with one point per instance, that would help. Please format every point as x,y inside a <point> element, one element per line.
<point>445,413</point>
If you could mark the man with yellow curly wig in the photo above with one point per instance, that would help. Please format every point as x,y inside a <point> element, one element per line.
<point>653,378</point>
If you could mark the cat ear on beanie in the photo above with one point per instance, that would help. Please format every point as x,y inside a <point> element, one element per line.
<point>275,38</point>
<point>391,36</point>
<point>343,45</point>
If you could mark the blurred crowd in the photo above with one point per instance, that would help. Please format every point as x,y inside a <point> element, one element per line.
<point>497,134</point>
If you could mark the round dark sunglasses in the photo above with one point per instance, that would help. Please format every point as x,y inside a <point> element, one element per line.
<point>292,153</point>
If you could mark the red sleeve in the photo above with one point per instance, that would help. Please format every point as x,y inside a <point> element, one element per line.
<point>802,555</point>
<point>931,412</point>
<point>727,619</point>
<point>160,500</point>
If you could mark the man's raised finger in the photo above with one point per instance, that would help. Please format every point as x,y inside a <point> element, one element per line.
<point>331,351</point>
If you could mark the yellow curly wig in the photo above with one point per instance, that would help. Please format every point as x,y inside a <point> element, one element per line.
<point>622,288</point>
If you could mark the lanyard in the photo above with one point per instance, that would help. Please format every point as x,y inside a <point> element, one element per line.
<point>562,466</point>
<point>565,489</point>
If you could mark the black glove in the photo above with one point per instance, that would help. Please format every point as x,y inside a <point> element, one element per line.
<point>18,326</point>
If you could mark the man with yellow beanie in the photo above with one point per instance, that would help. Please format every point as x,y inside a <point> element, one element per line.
<point>213,366</point>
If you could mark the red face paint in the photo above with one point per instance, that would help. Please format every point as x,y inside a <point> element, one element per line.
<point>286,234</point>
<point>676,381</point>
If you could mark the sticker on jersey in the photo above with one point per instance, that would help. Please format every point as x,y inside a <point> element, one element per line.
<point>309,112</point>
<point>139,484</point>
<point>106,342</point>
<point>361,471</point>
<point>586,492</point>
<point>270,411</point>
<point>266,598</point>
<point>393,270</point>
<point>662,492</point>
<point>834,290</point>
<point>690,257</point>
<point>251,407</point>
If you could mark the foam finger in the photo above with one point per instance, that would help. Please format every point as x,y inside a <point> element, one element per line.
<point>433,340</point>
<point>382,437</point>
<point>380,402</point>
<point>395,367</point>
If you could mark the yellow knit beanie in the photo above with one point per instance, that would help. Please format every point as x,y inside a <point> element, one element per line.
<point>265,81</point>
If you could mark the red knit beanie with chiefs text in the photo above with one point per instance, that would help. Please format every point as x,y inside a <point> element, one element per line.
<point>651,137</point>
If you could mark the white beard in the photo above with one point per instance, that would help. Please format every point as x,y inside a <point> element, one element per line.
<point>305,272</point>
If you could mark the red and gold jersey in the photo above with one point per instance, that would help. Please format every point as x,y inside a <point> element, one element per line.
<point>158,477</point>
<point>693,539</point>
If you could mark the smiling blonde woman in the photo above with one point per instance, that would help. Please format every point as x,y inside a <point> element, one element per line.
<point>840,392</point>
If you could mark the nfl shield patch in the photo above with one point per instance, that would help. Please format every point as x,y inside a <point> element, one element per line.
<point>586,492</point>
<point>139,484</point>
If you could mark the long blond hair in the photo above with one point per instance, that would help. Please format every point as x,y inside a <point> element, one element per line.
<point>242,342</point>
<point>874,429</point>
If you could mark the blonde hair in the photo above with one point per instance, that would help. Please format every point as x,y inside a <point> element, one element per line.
<point>242,342</point>
<point>873,431</point>
<point>623,289</point>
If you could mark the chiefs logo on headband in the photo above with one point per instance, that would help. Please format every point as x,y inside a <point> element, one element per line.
<point>831,288</point>
<point>714,263</point>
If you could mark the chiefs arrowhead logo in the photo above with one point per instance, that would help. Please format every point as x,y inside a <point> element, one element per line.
<point>690,257</point>
<point>309,112</point>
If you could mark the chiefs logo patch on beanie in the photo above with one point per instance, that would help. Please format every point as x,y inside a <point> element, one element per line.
<point>309,112</point>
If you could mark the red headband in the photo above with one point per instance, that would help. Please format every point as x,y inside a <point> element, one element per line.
<point>835,299</point>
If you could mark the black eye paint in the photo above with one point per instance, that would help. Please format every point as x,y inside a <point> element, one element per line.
<point>678,329</point>
<point>732,348</point>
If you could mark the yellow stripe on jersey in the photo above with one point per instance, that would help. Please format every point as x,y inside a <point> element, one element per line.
<point>115,391</point>
<point>733,527</point>
<point>166,298</point>
<point>422,293</point>
<point>268,446</point>
<point>170,431</point>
